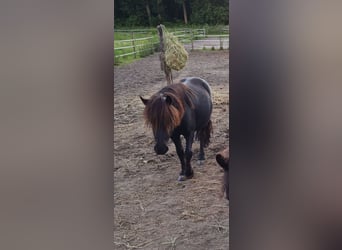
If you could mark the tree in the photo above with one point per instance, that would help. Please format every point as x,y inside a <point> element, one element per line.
<point>148,10</point>
<point>152,12</point>
<point>159,2</point>
<point>185,14</point>
<point>130,13</point>
<point>210,12</point>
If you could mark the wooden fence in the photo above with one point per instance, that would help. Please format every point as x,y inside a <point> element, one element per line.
<point>148,45</point>
<point>217,42</point>
<point>135,46</point>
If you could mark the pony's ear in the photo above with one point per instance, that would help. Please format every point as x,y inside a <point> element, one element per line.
<point>168,100</point>
<point>145,101</point>
<point>224,163</point>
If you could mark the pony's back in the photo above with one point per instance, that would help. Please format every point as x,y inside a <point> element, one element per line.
<point>197,81</point>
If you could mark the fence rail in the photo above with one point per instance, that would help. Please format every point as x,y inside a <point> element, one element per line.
<point>136,39</point>
<point>217,35</point>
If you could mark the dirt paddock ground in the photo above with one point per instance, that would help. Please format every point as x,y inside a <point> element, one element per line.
<point>151,209</point>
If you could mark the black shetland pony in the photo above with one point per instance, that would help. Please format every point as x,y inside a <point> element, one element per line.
<point>182,108</point>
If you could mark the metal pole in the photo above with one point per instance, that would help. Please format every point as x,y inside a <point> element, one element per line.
<point>133,44</point>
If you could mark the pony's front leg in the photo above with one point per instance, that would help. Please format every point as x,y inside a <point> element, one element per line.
<point>189,173</point>
<point>180,152</point>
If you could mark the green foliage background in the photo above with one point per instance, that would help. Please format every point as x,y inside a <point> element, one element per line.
<point>133,13</point>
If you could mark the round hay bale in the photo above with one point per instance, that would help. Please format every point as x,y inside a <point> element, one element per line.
<point>175,54</point>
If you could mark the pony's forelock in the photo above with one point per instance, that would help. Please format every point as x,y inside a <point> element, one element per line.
<point>160,115</point>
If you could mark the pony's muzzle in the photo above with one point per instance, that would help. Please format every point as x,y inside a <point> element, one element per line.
<point>161,149</point>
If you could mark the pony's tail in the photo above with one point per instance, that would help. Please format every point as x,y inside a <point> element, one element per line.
<point>203,135</point>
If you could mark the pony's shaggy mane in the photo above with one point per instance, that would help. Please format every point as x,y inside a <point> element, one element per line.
<point>165,109</point>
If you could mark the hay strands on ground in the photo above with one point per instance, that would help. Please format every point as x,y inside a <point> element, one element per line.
<point>141,245</point>
<point>171,242</point>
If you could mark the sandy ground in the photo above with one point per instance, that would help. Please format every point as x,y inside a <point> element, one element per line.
<point>151,209</point>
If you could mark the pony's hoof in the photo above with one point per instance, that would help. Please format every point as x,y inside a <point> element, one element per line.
<point>200,162</point>
<point>181,178</point>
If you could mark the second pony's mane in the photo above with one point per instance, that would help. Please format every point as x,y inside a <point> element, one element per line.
<point>166,108</point>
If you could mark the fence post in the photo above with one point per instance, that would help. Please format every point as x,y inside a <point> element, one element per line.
<point>133,44</point>
<point>192,39</point>
<point>221,43</point>
<point>152,50</point>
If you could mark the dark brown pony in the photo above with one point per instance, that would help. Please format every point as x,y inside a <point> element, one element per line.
<point>182,108</point>
<point>222,159</point>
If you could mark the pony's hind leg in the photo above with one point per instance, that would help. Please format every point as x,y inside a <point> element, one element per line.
<point>204,138</point>
<point>201,155</point>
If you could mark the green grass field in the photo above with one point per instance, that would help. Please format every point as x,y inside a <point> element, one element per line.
<point>144,47</point>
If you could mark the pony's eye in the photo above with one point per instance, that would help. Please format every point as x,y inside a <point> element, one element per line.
<point>168,100</point>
